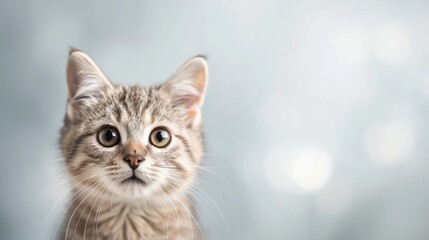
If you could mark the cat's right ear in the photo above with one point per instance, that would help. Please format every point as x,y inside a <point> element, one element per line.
<point>85,82</point>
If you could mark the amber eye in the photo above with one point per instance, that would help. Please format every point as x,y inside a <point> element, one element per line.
<point>160,137</point>
<point>108,136</point>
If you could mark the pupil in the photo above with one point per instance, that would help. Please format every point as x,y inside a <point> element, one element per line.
<point>109,135</point>
<point>160,136</point>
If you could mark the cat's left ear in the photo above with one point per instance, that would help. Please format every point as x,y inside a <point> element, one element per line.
<point>187,87</point>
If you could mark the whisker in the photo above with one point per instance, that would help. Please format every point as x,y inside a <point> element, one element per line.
<point>94,187</point>
<point>207,195</point>
<point>73,197</point>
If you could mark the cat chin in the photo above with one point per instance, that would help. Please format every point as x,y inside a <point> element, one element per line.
<point>133,190</point>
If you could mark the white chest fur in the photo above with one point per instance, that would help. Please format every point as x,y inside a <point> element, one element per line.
<point>127,221</point>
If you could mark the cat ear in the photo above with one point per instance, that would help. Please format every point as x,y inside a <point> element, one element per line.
<point>187,87</point>
<point>85,81</point>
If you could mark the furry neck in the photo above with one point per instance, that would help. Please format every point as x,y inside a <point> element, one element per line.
<point>93,217</point>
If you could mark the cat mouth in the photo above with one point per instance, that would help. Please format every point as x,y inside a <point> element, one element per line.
<point>134,179</point>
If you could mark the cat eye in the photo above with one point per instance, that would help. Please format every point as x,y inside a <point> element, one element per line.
<point>160,137</point>
<point>108,136</point>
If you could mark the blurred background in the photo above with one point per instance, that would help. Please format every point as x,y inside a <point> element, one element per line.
<point>315,118</point>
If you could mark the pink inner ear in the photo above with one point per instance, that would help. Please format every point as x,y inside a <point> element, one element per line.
<point>72,81</point>
<point>200,85</point>
<point>81,67</point>
<point>192,112</point>
<point>197,84</point>
<point>187,87</point>
<point>190,101</point>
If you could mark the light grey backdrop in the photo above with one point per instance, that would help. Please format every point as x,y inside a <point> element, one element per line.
<point>316,113</point>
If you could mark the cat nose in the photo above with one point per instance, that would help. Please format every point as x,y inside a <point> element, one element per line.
<point>133,160</point>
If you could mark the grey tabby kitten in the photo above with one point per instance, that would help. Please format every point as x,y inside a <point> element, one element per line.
<point>132,153</point>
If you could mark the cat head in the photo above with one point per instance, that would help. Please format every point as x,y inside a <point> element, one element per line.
<point>133,142</point>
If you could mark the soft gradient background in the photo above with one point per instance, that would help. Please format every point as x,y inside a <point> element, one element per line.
<point>316,114</point>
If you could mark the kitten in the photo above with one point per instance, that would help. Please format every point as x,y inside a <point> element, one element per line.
<point>132,153</point>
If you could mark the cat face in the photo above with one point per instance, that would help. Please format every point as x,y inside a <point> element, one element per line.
<point>133,143</point>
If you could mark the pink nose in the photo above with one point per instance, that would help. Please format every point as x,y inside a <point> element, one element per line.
<point>133,160</point>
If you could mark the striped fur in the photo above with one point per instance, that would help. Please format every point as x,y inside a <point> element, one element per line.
<point>102,206</point>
